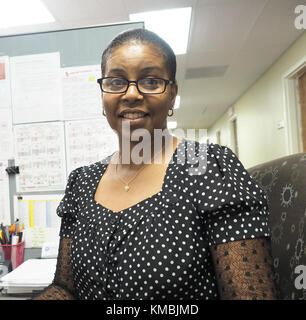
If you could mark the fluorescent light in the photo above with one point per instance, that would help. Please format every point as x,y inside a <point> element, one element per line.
<point>171,124</point>
<point>14,13</point>
<point>177,102</point>
<point>172,25</point>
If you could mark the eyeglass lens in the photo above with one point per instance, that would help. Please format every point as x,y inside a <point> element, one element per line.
<point>145,85</point>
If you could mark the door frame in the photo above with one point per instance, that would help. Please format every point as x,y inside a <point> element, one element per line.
<point>232,134</point>
<point>292,109</point>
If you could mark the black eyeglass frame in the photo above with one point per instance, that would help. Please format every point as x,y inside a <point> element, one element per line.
<point>136,83</point>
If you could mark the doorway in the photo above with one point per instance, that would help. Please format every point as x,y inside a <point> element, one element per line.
<point>295,107</point>
<point>302,103</point>
<point>234,136</point>
<point>218,137</point>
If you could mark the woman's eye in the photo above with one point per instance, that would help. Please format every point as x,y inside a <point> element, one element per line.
<point>117,82</point>
<point>149,82</point>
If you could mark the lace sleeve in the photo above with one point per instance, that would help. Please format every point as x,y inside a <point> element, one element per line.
<point>62,287</point>
<point>244,270</point>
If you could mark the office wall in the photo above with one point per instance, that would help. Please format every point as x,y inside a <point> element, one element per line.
<point>258,112</point>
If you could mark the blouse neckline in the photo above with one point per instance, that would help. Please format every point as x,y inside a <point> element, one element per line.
<point>155,195</point>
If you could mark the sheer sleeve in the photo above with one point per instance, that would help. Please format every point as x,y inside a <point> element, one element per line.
<point>236,225</point>
<point>62,287</point>
<point>244,270</point>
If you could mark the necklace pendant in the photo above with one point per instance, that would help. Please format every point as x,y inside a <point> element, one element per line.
<point>126,188</point>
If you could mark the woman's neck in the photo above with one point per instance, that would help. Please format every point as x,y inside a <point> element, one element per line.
<point>134,154</point>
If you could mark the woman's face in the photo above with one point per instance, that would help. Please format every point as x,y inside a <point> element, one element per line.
<point>132,62</point>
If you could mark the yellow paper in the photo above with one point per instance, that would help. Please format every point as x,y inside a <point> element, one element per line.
<point>39,236</point>
<point>31,213</point>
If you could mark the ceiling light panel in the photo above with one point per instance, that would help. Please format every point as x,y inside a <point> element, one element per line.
<point>15,13</point>
<point>172,25</point>
<point>171,124</point>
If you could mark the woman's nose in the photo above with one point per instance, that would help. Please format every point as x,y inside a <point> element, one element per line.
<point>132,92</point>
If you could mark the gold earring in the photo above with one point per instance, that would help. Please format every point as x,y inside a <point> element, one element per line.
<point>103,112</point>
<point>171,114</point>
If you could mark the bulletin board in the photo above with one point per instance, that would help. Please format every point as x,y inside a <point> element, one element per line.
<point>77,47</point>
<point>51,113</point>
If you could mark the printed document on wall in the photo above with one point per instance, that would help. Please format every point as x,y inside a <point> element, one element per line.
<point>38,214</point>
<point>38,210</point>
<point>88,141</point>
<point>6,133</point>
<point>81,92</point>
<point>36,88</point>
<point>5,86</point>
<point>5,216</point>
<point>40,155</point>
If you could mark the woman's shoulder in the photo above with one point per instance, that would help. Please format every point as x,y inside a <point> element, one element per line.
<point>211,149</point>
<point>203,155</point>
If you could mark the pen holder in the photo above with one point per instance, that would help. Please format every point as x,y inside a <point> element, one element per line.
<point>13,253</point>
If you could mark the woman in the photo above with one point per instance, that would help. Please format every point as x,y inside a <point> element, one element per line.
<point>136,229</point>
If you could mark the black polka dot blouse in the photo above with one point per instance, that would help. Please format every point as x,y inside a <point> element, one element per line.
<point>159,248</point>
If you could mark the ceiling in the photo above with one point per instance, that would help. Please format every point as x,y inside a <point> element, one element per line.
<point>231,44</point>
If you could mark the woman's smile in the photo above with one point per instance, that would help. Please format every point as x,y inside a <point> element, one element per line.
<point>134,117</point>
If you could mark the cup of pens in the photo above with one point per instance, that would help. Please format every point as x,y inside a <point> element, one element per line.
<point>12,244</point>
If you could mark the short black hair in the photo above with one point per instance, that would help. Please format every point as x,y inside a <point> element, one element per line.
<point>142,36</point>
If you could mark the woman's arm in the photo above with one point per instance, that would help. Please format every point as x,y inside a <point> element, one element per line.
<point>62,286</point>
<point>244,270</point>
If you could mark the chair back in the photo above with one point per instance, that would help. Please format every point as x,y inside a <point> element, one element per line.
<point>284,181</point>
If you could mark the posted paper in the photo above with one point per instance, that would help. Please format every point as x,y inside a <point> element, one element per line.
<point>88,142</point>
<point>5,216</point>
<point>5,86</point>
<point>81,92</point>
<point>40,155</point>
<point>6,133</point>
<point>36,88</point>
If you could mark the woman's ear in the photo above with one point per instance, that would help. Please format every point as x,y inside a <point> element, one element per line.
<point>173,93</point>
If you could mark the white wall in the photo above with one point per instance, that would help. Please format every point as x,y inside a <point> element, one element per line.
<point>259,110</point>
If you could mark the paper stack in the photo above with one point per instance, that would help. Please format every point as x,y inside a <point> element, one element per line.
<point>32,275</point>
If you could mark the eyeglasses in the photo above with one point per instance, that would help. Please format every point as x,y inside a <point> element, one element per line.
<point>144,85</point>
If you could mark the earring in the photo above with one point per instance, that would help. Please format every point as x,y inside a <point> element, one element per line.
<point>171,114</point>
<point>103,112</point>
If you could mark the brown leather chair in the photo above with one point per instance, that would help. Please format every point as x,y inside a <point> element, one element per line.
<point>284,181</point>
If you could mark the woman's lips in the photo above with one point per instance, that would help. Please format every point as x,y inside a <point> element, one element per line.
<point>133,117</point>
<point>135,121</point>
